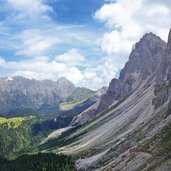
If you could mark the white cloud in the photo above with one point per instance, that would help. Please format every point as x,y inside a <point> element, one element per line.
<point>92,76</point>
<point>72,57</point>
<point>74,74</point>
<point>31,74</point>
<point>127,21</point>
<point>2,61</point>
<point>44,68</point>
<point>42,39</point>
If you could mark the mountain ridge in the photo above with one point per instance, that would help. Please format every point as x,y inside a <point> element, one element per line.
<point>143,60</point>
<point>134,132</point>
<point>31,96</point>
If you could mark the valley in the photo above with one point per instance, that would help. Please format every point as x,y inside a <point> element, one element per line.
<point>123,127</point>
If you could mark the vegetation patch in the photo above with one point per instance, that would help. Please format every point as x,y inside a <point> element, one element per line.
<point>14,122</point>
<point>68,106</point>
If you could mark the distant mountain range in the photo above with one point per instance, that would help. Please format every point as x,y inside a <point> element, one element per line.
<point>18,94</point>
<point>21,96</point>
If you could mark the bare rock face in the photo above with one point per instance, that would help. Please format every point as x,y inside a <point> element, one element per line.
<point>163,79</point>
<point>143,64</point>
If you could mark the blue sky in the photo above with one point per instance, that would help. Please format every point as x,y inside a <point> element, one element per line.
<point>86,41</point>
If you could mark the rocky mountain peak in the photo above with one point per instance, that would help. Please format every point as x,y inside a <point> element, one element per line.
<point>143,63</point>
<point>42,96</point>
<point>65,86</point>
<point>164,71</point>
<point>102,91</point>
<point>150,36</point>
<point>63,79</point>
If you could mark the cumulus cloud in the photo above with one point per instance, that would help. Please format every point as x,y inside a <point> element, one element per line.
<point>88,60</point>
<point>42,67</point>
<point>127,21</point>
<point>73,58</point>
<point>45,68</point>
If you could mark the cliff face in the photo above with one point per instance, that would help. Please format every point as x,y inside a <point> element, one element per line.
<point>142,65</point>
<point>163,79</point>
<point>134,133</point>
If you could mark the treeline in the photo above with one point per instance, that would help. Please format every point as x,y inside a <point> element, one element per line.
<point>38,162</point>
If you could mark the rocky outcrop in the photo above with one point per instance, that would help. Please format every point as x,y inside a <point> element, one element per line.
<point>163,79</point>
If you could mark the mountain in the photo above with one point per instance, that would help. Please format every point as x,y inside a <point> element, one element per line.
<point>143,63</point>
<point>132,131</point>
<point>125,127</point>
<point>79,102</point>
<point>22,96</point>
<point>18,93</point>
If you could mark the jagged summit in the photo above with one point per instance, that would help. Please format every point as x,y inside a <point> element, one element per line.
<point>143,63</point>
<point>65,86</point>
<point>163,80</point>
<point>150,36</point>
<point>62,79</point>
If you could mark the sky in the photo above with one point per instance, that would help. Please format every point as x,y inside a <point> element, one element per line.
<point>86,41</point>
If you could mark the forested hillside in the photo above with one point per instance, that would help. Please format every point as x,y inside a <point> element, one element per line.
<point>22,134</point>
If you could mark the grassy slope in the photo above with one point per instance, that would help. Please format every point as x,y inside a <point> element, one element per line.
<point>79,94</point>
<point>76,98</point>
<point>76,103</point>
<point>70,105</point>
